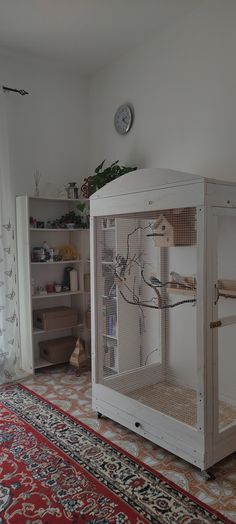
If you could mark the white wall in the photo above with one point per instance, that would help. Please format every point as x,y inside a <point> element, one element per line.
<point>49,128</point>
<point>183,88</point>
<point>182,85</point>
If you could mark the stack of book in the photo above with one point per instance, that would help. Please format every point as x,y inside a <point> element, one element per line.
<point>111,325</point>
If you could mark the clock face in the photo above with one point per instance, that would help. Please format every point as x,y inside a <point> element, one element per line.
<point>123,119</point>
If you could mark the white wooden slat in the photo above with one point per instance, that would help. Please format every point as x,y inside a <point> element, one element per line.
<point>169,441</point>
<point>210,362</point>
<point>25,300</point>
<point>96,370</point>
<point>221,195</point>
<point>200,318</point>
<point>181,196</point>
<point>227,321</point>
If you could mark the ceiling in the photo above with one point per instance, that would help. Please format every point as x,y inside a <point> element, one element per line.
<point>87,34</point>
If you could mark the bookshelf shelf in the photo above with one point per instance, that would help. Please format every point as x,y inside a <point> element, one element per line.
<point>38,275</point>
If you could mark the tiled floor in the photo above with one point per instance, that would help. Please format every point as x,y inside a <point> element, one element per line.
<point>73,394</point>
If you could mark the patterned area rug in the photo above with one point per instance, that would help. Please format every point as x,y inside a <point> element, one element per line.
<point>55,469</point>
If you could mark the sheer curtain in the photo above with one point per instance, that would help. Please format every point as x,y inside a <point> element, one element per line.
<point>8,282</point>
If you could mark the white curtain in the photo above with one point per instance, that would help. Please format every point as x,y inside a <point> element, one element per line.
<point>8,283</point>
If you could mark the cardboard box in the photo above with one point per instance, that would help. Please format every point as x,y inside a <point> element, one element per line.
<point>55,318</point>
<point>58,349</point>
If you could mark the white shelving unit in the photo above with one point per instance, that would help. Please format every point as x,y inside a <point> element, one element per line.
<point>44,210</point>
<point>57,295</point>
<point>52,230</point>
<point>57,262</point>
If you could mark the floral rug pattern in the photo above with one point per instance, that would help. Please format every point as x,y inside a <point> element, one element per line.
<point>73,394</point>
<point>56,469</point>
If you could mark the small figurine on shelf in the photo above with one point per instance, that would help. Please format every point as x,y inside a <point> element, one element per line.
<point>56,256</point>
<point>33,222</point>
<point>51,254</point>
<point>66,278</point>
<point>37,178</point>
<point>40,224</point>
<point>46,251</point>
<point>40,290</point>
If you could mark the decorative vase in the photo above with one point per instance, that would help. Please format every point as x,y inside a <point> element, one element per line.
<point>72,190</point>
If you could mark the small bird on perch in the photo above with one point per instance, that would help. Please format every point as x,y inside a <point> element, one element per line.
<point>177,278</point>
<point>182,281</point>
<point>155,282</point>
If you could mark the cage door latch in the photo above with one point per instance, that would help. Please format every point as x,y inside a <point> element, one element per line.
<point>215,324</point>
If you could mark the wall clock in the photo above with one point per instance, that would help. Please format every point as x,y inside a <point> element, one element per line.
<point>123,119</point>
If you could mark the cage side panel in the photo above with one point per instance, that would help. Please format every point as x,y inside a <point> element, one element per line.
<point>150,324</point>
<point>97,300</point>
<point>182,323</point>
<point>226,308</point>
<point>128,318</point>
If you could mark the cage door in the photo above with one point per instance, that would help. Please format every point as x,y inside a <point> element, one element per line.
<point>146,303</point>
<point>224,321</point>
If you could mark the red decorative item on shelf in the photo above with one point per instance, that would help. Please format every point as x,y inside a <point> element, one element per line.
<point>50,287</point>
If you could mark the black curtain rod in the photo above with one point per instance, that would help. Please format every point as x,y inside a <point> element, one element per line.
<point>20,91</point>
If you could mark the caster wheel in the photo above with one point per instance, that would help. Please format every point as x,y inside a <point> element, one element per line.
<point>99,415</point>
<point>207,475</point>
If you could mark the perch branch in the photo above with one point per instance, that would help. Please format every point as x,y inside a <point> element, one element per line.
<point>166,306</point>
<point>124,265</point>
<point>159,297</point>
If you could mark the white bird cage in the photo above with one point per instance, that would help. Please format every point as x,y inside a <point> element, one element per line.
<point>163,256</point>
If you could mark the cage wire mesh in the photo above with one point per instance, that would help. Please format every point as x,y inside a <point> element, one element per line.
<point>226,305</point>
<point>147,291</point>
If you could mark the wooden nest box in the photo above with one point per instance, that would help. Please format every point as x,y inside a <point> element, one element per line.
<point>175,227</point>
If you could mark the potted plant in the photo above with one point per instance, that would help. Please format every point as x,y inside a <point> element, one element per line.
<point>73,219</point>
<point>103,176</point>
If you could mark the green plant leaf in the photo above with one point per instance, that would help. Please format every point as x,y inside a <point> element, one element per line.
<point>103,176</point>
<point>114,163</point>
<point>100,166</point>
<point>81,206</point>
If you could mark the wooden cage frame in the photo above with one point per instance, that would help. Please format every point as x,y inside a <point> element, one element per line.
<point>160,189</point>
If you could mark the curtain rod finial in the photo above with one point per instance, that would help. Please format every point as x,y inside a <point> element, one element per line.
<point>23,92</point>
<point>20,91</point>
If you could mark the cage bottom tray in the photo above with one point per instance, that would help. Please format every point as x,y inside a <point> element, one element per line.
<point>179,402</point>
